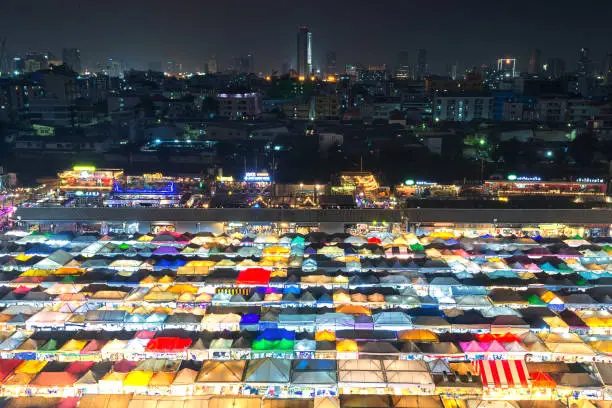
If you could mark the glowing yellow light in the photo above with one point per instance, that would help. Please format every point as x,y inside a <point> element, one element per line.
<point>302,78</point>
<point>508,61</point>
<point>331,78</point>
<point>312,78</point>
<point>84,168</point>
<point>268,78</point>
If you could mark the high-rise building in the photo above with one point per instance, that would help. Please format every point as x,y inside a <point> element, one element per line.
<point>607,69</point>
<point>554,68</point>
<point>72,58</point>
<point>584,63</point>
<point>304,51</point>
<point>331,63</point>
<point>213,68</point>
<point>422,68</point>
<point>402,65</point>
<point>171,67</point>
<point>535,62</point>
<point>451,71</point>
<point>4,61</point>
<point>506,67</point>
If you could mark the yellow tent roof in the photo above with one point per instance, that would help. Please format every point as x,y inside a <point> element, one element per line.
<point>156,296</point>
<point>183,288</point>
<point>36,272</point>
<point>347,345</point>
<point>225,263</point>
<point>204,263</point>
<point>445,235</point>
<point>276,250</point>
<point>555,322</point>
<point>22,257</point>
<point>31,366</point>
<point>138,378</point>
<point>325,335</point>
<point>73,346</point>
<point>148,280</point>
<point>548,296</point>
<point>602,346</point>
<point>145,238</point>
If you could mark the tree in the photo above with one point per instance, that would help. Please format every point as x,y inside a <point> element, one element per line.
<point>583,149</point>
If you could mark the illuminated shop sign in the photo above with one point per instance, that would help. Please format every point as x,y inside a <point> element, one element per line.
<point>514,177</point>
<point>589,180</point>
<point>419,183</point>
<point>253,177</point>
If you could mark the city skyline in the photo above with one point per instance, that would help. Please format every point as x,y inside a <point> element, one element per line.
<point>192,33</point>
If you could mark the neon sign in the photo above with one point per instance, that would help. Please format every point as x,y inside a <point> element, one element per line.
<point>252,177</point>
<point>589,180</point>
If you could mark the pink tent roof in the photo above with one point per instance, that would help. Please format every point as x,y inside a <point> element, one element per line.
<point>93,346</point>
<point>471,346</point>
<point>495,347</point>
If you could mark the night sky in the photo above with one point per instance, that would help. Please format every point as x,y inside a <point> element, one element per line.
<point>369,32</point>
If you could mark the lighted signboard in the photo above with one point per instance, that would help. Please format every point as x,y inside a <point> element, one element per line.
<point>514,177</point>
<point>411,182</point>
<point>252,177</point>
<point>225,179</point>
<point>590,180</point>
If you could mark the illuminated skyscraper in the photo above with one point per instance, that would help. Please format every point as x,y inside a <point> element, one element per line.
<point>304,51</point>
<point>535,62</point>
<point>72,58</point>
<point>422,68</point>
<point>506,67</point>
<point>331,62</point>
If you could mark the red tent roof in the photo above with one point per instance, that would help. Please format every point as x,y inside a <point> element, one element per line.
<point>168,344</point>
<point>502,338</point>
<point>374,240</point>
<point>79,367</point>
<point>7,367</point>
<point>253,276</point>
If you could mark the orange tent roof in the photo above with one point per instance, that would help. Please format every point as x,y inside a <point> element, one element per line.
<point>354,310</point>
<point>418,335</point>
<point>542,380</point>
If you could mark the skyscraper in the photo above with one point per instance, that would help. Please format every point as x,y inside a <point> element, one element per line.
<point>331,63</point>
<point>584,63</point>
<point>535,62</point>
<point>554,68</point>
<point>72,58</point>
<point>213,68</point>
<point>304,51</point>
<point>422,69</point>
<point>607,69</point>
<point>4,61</point>
<point>402,65</point>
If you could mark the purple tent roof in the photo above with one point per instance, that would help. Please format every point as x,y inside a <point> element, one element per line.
<point>166,250</point>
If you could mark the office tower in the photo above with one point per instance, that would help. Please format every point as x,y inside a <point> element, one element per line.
<point>4,61</point>
<point>584,63</point>
<point>554,67</point>
<point>72,58</point>
<point>607,69</point>
<point>422,69</point>
<point>506,67</point>
<point>304,51</point>
<point>213,68</point>
<point>402,65</point>
<point>535,62</point>
<point>331,62</point>
<point>451,71</point>
<point>171,67</point>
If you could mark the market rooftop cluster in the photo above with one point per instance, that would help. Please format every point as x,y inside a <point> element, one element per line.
<point>377,319</point>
